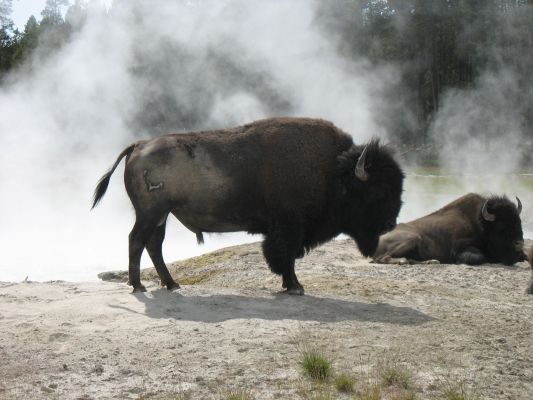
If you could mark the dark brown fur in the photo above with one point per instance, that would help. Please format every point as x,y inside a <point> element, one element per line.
<point>457,233</point>
<point>290,179</point>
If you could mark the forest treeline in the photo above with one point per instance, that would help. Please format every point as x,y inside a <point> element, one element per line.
<point>435,45</point>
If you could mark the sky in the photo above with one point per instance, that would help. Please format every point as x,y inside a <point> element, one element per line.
<point>24,9</point>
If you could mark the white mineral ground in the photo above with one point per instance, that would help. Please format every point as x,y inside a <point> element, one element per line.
<point>230,327</point>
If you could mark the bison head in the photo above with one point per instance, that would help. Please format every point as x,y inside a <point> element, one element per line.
<point>371,185</point>
<point>502,230</point>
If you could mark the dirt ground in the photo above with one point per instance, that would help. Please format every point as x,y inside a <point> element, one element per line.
<point>230,328</point>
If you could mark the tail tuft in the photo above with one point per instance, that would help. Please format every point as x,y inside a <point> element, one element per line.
<point>101,188</point>
<point>103,183</point>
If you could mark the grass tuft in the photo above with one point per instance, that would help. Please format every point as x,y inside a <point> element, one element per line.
<point>322,396</point>
<point>403,395</point>
<point>345,383</point>
<point>393,374</point>
<point>458,392</point>
<point>238,394</point>
<point>315,365</point>
<point>370,392</point>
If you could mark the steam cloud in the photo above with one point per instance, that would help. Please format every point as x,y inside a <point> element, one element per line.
<point>483,132</point>
<point>217,64</point>
<point>155,67</point>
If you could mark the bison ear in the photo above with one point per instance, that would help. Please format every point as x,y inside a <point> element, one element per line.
<point>487,216</point>
<point>360,172</point>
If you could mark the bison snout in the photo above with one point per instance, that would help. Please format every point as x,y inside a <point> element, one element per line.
<point>389,226</point>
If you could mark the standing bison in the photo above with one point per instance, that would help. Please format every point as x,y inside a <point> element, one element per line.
<point>471,230</point>
<point>299,182</point>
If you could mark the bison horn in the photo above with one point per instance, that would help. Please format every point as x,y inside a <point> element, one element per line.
<point>519,205</point>
<point>487,216</point>
<point>360,172</point>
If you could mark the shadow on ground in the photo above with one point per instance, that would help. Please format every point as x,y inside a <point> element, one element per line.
<point>216,308</point>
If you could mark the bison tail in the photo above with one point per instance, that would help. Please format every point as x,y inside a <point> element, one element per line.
<point>101,187</point>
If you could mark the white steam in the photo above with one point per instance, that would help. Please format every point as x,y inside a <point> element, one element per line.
<point>65,122</point>
<point>479,131</point>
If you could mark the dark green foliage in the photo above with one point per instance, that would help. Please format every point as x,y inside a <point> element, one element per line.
<point>39,39</point>
<point>436,45</point>
<point>27,42</point>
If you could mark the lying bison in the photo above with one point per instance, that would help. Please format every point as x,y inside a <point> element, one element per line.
<point>299,182</point>
<point>471,230</point>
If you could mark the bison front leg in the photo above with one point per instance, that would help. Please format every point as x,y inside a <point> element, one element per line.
<point>471,256</point>
<point>154,247</point>
<point>280,248</point>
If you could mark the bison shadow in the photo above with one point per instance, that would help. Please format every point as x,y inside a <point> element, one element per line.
<point>216,308</point>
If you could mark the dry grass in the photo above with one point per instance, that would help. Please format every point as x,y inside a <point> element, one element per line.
<point>458,391</point>
<point>237,394</point>
<point>396,376</point>
<point>344,383</point>
<point>371,391</point>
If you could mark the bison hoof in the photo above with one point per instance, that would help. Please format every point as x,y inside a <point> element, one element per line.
<point>139,288</point>
<point>295,291</point>
<point>172,286</point>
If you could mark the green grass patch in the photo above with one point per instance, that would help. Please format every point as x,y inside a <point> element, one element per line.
<point>315,365</point>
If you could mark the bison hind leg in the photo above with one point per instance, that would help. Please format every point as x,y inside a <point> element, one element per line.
<point>390,260</point>
<point>397,248</point>
<point>148,232</point>
<point>154,247</point>
<point>138,237</point>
